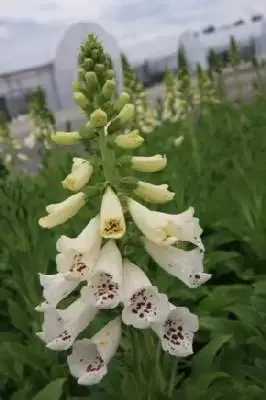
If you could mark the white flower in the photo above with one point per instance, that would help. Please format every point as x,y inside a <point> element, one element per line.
<point>185,265</point>
<point>158,194</point>
<point>61,327</point>
<point>131,140</point>
<point>149,164</point>
<point>185,227</point>
<point>112,219</point>
<point>155,229</point>
<point>59,213</point>
<point>143,304</point>
<point>77,256</point>
<point>89,359</point>
<point>30,141</point>
<point>80,175</point>
<point>177,331</point>
<point>103,290</point>
<point>55,289</point>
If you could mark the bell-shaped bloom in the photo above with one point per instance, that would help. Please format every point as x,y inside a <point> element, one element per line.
<point>185,227</point>
<point>104,287</point>
<point>143,304</point>
<point>185,265</point>
<point>157,194</point>
<point>59,213</point>
<point>80,175</point>
<point>177,331</point>
<point>77,256</point>
<point>55,289</point>
<point>149,164</point>
<point>113,224</point>
<point>61,327</point>
<point>89,359</point>
<point>131,140</point>
<point>67,138</point>
<point>154,228</point>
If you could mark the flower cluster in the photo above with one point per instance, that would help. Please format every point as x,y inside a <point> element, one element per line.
<point>146,117</point>
<point>94,262</point>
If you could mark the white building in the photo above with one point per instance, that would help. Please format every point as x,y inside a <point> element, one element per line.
<point>54,70</point>
<point>199,44</point>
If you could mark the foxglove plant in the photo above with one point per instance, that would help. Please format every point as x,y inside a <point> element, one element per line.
<point>96,257</point>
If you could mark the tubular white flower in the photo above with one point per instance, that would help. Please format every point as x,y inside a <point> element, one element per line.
<point>77,256</point>
<point>55,289</point>
<point>113,224</point>
<point>185,265</point>
<point>80,175</point>
<point>59,213</point>
<point>155,229</point>
<point>158,194</point>
<point>149,164</point>
<point>177,331</point>
<point>89,359</point>
<point>104,288</point>
<point>185,227</point>
<point>131,140</point>
<point>67,138</point>
<point>143,304</point>
<point>61,327</point>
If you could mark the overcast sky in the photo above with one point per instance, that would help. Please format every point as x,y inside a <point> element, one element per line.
<point>142,28</point>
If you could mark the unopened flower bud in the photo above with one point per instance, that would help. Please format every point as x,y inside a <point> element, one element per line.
<point>67,138</point>
<point>98,118</point>
<point>131,140</point>
<point>158,194</point>
<point>95,54</point>
<point>121,101</point>
<point>99,68</point>
<point>92,82</point>
<point>126,115</point>
<point>108,89</point>
<point>80,99</point>
<point>81,73</point>
<point>76,86</point>
<point>110,74</point>
<point>179,141</point>
<point>88,64</point>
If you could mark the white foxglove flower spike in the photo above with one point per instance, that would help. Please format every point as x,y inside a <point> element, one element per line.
<point>89,359</point>
<point>113,224</point>
<point>149,164</point>
<point>77,256</point>
<point>185,265</point>
<point>59,213</point>
<point>155,229</point>
<point>80,175</point>
<point>55,289</point>
<point>104,287</point>
<point>157,194</point>
<point>177,331</point>
<point>61,327</point>
<point>143,304</point>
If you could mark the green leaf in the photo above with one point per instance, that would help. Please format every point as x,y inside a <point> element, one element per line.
<point>53,391</point>
<point>203,361</point>
<point>19,318</point>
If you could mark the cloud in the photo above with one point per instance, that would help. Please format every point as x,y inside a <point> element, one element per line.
<point>142,28</point>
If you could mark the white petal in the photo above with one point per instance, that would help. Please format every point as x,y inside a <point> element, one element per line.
<point>79,255</point>
<point>155,229</point>
<point>52,325</point>
<point>104,288</point>
<point>112,219</point>
<point>177,331</point>
<point>158,194</point>
<point>143,304</point>
<point>89,358</point>
<point>56,288</point>
<point>185,265</point>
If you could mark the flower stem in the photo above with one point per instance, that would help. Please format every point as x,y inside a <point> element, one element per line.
<point>172,380</point>
<point>107,159</point>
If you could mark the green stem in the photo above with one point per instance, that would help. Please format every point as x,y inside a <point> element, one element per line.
<point>172,380</point>
<point>108,167</point>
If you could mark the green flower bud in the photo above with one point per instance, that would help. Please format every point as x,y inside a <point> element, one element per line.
<point>81,73</point>
<point>88,64</point>
<point>99,68</point>
<point>121,101</point>
<point>80,99</point>
<point>108,89</point>
<point>92,82</point>
<point>110,74</point>
<point>95,54</point>
<point>76,86</point>
<point>126,115</point>
<point>98,118</point>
